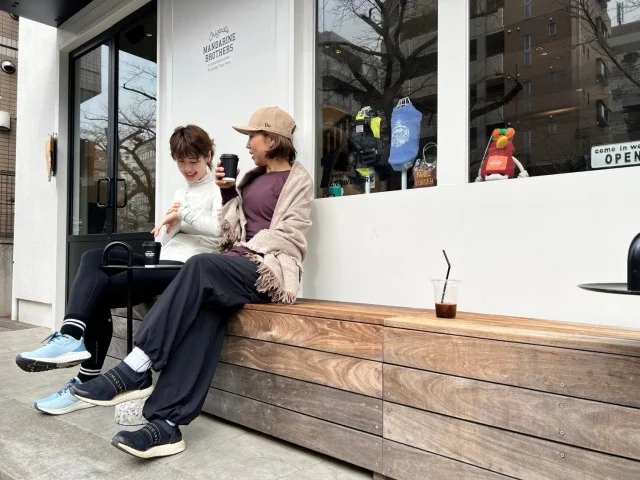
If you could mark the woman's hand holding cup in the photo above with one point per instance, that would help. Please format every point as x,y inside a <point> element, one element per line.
<point>220,174</point>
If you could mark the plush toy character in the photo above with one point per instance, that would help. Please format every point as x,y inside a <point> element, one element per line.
<point>498,162</point>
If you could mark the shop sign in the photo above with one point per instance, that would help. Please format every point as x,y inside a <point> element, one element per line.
<point>615,155</point>
<point>217,51</point>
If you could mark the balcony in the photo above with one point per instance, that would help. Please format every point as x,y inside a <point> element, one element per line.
<point>487,23</point>
<point>483,69</point>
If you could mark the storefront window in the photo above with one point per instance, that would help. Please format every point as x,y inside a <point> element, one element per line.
<point>376,95</point>
<point>566,80</point>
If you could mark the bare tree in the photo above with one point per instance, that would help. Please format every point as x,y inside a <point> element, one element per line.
<point>391,57</point>
<point>136,123</point>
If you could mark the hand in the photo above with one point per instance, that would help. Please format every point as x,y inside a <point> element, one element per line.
<point>220,176</point>
<point>174,208</point>
<point>171,220</point>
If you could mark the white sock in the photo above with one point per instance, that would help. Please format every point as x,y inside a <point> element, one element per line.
<point>170,423</point>
<point>138,360</point>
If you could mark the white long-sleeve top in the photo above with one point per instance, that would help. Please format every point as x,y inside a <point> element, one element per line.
<point>198,230</point>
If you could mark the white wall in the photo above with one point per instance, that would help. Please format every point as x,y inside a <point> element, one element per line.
<point>520,247</point>
<point>36,199</point>
<point>259,74</point>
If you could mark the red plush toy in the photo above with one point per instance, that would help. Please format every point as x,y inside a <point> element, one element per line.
<point>499,162</point>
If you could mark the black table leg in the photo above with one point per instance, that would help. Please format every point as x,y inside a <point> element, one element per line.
<point>129,311</point>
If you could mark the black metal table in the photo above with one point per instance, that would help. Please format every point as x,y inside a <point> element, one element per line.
<point>129,268</point>
<point>616,288</point>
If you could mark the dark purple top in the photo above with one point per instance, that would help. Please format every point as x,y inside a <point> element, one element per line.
<point>259,199</point>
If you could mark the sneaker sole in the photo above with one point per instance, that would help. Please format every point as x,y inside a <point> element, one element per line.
<point>62,411</point>
<point>153,452</point>
<point>123,397</point>
<point>43,365</point>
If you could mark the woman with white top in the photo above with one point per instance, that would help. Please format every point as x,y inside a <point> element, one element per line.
<point>190,227</point>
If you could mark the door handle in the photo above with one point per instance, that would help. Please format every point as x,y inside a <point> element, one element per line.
<point>98,185</point>
<point>126,193</point>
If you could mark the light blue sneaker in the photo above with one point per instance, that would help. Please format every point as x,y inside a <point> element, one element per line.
<point>62,402</point>
<point>59,351</point>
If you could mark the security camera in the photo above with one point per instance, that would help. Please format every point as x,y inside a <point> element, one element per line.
<point>8,67</point>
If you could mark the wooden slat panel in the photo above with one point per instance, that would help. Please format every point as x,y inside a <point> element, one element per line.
<point>345,373</point>
<point>584,423</point>
<point>401,462</point>
<point>509,453</point>
<point>358,312</point>
<point>345,338</point>
<point>596,376</point>
<point>120,326</point>
<point>337,406</point>
<point>346,444</point>
<point>110,362</point>
<point>139,311</point>
<point>117,348</point>
<point>623,341</point>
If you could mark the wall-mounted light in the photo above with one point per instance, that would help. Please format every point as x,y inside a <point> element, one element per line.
<point>148,34</point>
<point>338,51</point>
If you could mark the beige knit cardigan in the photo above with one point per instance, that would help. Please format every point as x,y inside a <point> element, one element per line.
<point>283,246</point>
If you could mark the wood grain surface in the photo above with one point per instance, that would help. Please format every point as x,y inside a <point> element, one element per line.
<point>336,406</point>
<point>508,453</point>
<point>623,341</point>
<point>595,376</point>
<point>345,338</point>
<point>120,326</point>
<point>346,444</point>
<point>598,426</point>
<point>346,373</point>
<point>402,462</point>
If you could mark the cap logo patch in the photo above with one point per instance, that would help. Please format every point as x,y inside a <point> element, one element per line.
<point>267,125</point>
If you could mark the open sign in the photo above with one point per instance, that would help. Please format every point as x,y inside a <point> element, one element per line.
<point>615,155</point>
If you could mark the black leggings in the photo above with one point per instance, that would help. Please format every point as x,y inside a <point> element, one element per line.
<point>94,293</point>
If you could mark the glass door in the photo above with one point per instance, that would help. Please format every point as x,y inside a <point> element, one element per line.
<point>112,125</point>
<point>136,138</point>
<point>91,211</point>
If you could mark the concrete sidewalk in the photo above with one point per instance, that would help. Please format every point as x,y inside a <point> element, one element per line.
<point>77,445</point>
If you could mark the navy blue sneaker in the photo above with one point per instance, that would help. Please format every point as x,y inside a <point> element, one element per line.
<point>155,439</point>
<point>120,384</point>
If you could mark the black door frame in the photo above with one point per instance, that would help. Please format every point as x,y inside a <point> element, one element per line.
<point>78,244</point>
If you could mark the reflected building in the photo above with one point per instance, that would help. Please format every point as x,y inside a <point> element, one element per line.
<point>546,67</point>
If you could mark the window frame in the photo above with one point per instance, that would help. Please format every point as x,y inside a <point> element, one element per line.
<point>527,14</point>
<point>553,26</point>
<point>527,90</point>
<point>528,60</point>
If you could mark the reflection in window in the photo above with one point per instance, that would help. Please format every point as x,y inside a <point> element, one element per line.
<point>587,77</point>
<point>375,60</point>
<point>527,50</point>
<point>137,104</point>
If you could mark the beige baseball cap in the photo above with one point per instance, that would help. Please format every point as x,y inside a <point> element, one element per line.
<point>269,119</point>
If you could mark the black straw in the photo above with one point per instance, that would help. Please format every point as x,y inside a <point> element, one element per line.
<point>444,289</point>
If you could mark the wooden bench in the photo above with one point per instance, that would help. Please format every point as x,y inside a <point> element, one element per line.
<point>409,396</point>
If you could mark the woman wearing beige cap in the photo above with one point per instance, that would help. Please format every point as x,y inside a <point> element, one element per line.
<point>264,223</point>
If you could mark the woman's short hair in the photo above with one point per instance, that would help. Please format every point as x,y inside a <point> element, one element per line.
<point>282,148</point>
<point>191,142</point>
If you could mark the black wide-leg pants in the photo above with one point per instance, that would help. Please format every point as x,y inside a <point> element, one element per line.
<point>182,334</point>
